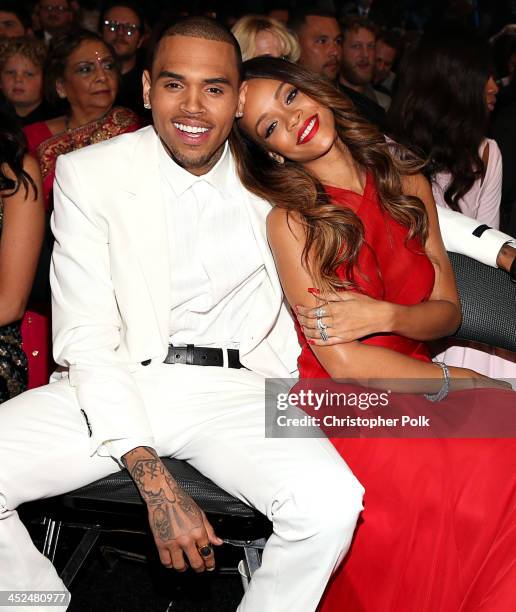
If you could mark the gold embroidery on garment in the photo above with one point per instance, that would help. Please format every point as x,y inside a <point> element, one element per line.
<point>117,121</point>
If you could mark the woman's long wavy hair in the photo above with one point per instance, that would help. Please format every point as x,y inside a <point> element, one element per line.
<point>334,234</point>
<point>439,110</point>
<point>13,148</point>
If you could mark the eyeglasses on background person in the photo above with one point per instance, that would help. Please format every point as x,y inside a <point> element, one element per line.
<point>127,28</point>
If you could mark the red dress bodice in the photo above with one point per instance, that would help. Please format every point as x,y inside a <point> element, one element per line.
<point>380,272</point>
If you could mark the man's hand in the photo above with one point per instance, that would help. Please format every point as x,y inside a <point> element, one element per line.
<point>178,525</point>
<point>347,315</point>
<point>506,257</point>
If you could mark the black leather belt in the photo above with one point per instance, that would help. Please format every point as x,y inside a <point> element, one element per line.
<point>203,356</point>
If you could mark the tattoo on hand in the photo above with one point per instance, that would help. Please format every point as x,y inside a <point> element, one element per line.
<point>169,505</point>
<point>161,524</point>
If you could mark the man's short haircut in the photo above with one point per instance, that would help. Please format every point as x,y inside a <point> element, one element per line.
<point>11,6</point>
<point>353,23</point>
<point>133,6</point>
<point>392,39</point>
<point>194,27</point>
<point>299,16</point>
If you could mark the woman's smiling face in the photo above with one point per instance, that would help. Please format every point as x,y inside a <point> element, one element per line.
<point>285,121</point>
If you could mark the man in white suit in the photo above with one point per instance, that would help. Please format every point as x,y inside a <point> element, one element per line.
<point>158,244</point>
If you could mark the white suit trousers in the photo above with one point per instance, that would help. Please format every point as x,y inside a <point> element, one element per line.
<point>214,419</point>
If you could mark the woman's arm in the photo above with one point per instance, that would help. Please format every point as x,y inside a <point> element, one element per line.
<point>353,360</point>
<point>490,196</point>
<point>354,316</point>
<point>20,243</point>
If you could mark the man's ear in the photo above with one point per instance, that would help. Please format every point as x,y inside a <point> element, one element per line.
<point>242,93</point>
<point>146,82</point>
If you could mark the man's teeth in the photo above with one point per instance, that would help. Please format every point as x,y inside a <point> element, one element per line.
<point>308,130</point>
<point>191,129</point>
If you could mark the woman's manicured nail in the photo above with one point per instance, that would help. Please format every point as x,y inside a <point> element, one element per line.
<point>313,290</point>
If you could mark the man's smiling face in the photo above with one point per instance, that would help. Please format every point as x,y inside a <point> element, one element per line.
<point>193,91</point>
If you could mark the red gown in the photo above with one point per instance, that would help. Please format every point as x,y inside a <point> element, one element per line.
<point>438,530</point>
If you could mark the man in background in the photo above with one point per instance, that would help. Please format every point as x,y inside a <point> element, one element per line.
<point>320,41</point>
<point>357,66</point>
<point>121,25</point>
<point>56,17</point>
<point>14,21</point>
<point>387,50</point>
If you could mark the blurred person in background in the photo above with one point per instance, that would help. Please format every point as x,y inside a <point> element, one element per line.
<point>357,7</point>
<point>14,20</point>
<point>259,35</point>
<point>81,70</point>
<point>55,18</point>
<point>21,235</point>
<point>121,25</point>
<point>320,41</point>
<point>388,48</point>
<point>441,112</point>
<point>21,78</point>
<point>279,10</point>
<point>357,67</point>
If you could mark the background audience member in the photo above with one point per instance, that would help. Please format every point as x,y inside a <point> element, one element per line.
<point>21,78</point>
<point>279,10</point>
<point>121,25</point>
<point>259,35</point>
<point>441,112</point>
<point>88,15</point>
<point>356,70</point>
<point>388,48</point>
<point>81,69</point>
<point>14,20</point>
<point>21,235</point>
<point>55,18</point>
<point>320,41</point>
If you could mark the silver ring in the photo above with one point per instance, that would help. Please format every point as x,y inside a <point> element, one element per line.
<point>321,326</point>
<point>320,312</point>
<point>323,334</point>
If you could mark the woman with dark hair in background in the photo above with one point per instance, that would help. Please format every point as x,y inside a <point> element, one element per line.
<point>81,70</point>
<point>437,531</point>
<point>441,112</point>
<point>21,235</point>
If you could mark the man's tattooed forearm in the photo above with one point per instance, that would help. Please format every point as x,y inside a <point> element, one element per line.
<point>168,504</point>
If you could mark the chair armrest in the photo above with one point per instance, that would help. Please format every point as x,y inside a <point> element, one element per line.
<point>488,301</point>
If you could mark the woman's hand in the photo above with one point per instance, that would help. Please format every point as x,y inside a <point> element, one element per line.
<point>348,316</point>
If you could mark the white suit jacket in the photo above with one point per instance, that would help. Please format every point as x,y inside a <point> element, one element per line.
<point>110,281</point>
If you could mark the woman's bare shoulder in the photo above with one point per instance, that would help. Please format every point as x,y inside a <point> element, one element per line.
<point>283,224</point>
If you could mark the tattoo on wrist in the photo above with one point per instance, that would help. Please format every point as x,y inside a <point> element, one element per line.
<point>171,509</point>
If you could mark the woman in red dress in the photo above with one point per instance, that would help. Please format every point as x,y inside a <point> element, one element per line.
<point>438,531</point>
<point>80,69</point>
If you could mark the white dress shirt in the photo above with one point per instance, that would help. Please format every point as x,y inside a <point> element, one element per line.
<point>214,259</point>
